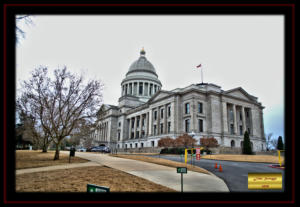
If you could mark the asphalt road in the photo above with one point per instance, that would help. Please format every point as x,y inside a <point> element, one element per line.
<point>235,174</point>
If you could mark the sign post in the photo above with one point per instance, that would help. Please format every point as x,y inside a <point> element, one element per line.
<point>181,170</point>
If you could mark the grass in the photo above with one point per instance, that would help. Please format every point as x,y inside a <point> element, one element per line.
<point>168,163</point>
<point>32,159</point>
<point>245,158</point>
<point>76,180</point>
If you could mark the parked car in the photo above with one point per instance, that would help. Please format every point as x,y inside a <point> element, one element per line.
<point>81,149</point>
<point>106,149</point>
<point>97,149</point>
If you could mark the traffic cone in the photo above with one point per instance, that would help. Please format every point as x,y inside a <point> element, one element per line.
<point>220,168</point>
<point>216,166</point>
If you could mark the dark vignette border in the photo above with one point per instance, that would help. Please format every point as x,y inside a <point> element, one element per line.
<point>9,10</point>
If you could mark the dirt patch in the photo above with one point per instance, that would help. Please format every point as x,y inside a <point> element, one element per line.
<point>31,159</point>
<point>160,161</point>
<point>245,158</point>
<point>76,179</point>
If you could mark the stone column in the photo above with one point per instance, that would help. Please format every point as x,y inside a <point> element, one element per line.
<point>140,124</point>
<point>150,125</point>
<point>147,124</point>
<point>148,88</point>
<point>225,123</point>
<point>135,121</point>
<point>234,119</point>
<point>129,131</point>
<point>158,121</point>
<point>166,119</point>
<point>244,119</point>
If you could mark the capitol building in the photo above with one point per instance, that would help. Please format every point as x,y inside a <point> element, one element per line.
<point>146,113</point>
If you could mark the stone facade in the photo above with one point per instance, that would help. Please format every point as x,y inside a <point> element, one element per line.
<point>146,113</point>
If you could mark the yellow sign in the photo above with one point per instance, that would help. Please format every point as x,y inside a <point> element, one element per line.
<point>264,181</point>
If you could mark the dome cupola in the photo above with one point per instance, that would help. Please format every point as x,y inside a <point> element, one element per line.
<point>141,79</point>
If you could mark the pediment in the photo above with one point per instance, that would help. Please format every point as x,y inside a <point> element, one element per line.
<point>160,95</point>
<point>240,93</point>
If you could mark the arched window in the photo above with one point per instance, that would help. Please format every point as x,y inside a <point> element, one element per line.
<point>232,143</point>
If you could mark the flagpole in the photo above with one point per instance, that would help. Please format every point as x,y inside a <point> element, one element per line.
<point>202,74</point>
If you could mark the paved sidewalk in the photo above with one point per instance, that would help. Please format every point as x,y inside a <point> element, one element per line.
<point>56,167</point>
<point>167,176</point>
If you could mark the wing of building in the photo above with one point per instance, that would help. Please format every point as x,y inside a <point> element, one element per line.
<point>146,113</point>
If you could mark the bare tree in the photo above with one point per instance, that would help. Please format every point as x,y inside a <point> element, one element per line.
<point>27,19</point>
<point>208,142</point>
<point>31,127</point>
<point>166,142</point>
<point>268,140</point>
<point>65,105</point>
<point>185,141</point>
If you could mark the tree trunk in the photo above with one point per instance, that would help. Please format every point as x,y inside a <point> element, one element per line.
<point>45,147</point>
<point>56,156</point>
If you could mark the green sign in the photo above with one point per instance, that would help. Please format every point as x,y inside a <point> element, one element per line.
<point>97,189</point>
<point>181,170</point>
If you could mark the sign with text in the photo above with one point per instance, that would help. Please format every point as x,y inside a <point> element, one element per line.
<point>264,181</point>
<point>97,189</point>
<point>181,170</point>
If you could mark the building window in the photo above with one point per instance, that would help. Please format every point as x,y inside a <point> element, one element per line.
<point>162,113</point>
<point>142,145</point>
<point>231,129</point>
<point>169,127</point>
<point>169,111</point>
<point>152,143</point>
<point>136,145</point>
<point>132,135</point>
<point>241,118</point>
<point>119,135</point>
<point>119,124</point>
<point>155,88</point>
<point>155,115</point>
<point>232,143</point>
<point>161,128</point>
<point>200,108</point>
<point>241,130</point>
<point>231,115</point>
<point>187,108</point>
<point>130,145</point>
<point>138,122</point>
<point>200,123</point>
<point>141,89</point>
<point>151,86</point>
<point>143,133</point>
<point>187,125</point>
<point>137,134</point>
<point>132,123</point>
<point>249,130</point>
<point>154,129</point>
<point>125,146</point>
<point>126,89</point>
<point>247,114</point>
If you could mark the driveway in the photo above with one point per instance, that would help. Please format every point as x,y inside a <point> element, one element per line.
<point>235,174</point>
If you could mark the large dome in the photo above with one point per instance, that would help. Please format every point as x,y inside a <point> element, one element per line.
<point>142,65</point>
<point>141,79</point>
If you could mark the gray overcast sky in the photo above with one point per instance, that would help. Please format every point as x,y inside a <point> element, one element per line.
<point>246,51</point>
